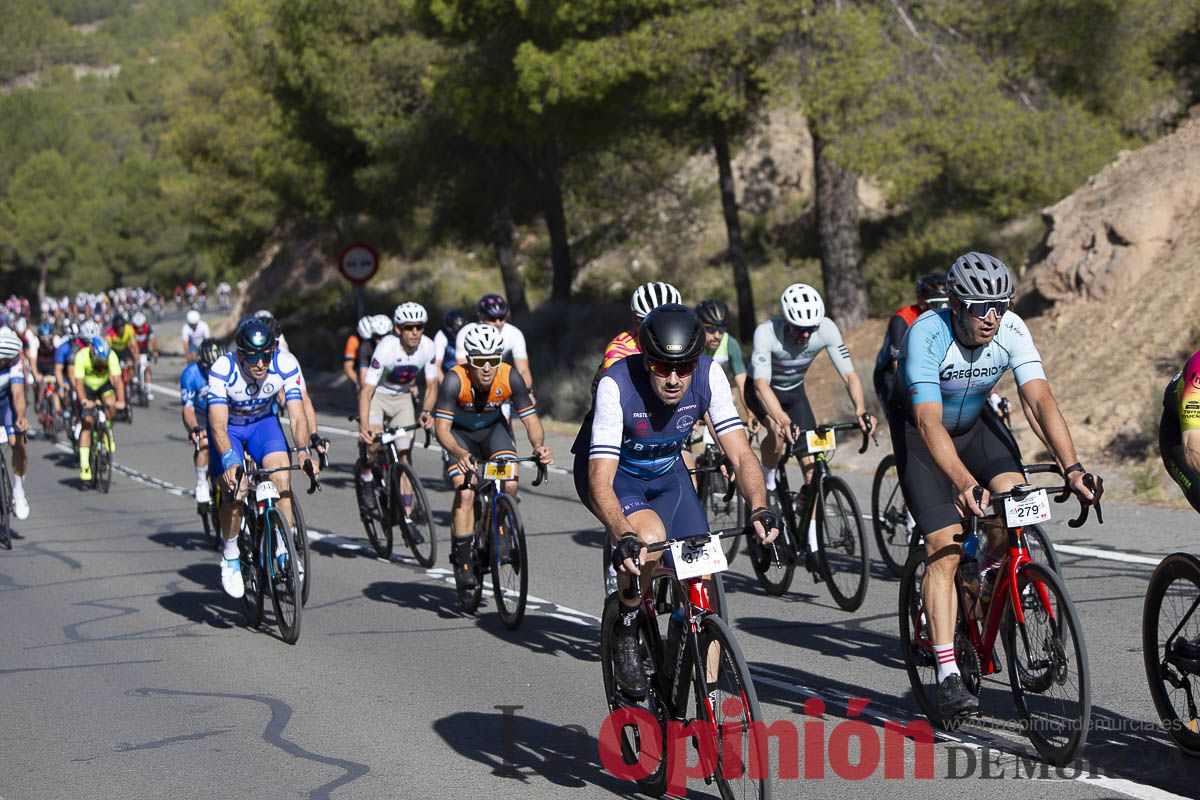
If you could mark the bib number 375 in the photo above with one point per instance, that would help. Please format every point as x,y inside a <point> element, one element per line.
<point>698,557</point>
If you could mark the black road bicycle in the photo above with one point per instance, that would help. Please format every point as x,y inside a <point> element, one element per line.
<point>390,477</point>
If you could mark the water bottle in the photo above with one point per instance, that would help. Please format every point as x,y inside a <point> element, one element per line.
<point>968,570</point>
<point>674,636</point>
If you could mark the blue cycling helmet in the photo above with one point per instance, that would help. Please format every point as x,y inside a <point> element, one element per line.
<point>254,336</point>
<point>45,329</point>
<point>100,347</point>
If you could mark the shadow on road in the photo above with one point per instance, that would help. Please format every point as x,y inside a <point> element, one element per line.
<point>437,598</point>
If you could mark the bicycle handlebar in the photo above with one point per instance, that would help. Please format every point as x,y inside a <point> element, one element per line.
<point>412,427</point>
<point>1089,480</point>
<point>314,484</point>
<point>473,478</point>
<point>821,430</point>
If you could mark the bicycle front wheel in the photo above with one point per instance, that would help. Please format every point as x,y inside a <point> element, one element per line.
<point>5,504</point>
<point>510,562</point>
<point>731,704</point>
<point>1041,549</point>
<point>842,553</point>
<point>1048,665</point>
<point>417,524</point>
<point>1170,632</point>
<point>889,516</point>
<point>284,577</point>
<point>250,546</point>
<point>300,542</point>
<point>379,535</point>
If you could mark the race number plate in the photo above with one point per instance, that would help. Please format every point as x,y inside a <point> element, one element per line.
<point>266,491</point>
<point>821,444</point>
<point>698,557</point>
<point>1032,508</point>
<point>500,471</point>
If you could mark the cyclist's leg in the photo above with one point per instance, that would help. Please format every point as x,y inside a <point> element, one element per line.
<point>772,448</point>
<point>230,513</point>
<point>395,411</point>
<point>108,396</point>
<point>462,511</point>
<point>1171,450</point>
<point>992,456</point>
<point>501,444</point>
<point>269,449</point>
<point>800,412</point>
<point>200,460</point>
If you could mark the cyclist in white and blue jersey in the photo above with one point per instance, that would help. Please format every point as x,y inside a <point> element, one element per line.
<point>193,394</point>
<point>241,387</point>
<point>12,414</point>
<point>635,480</point>
<point>945,446</point>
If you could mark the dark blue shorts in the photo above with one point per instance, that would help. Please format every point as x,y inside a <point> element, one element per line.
<point>260,438</point>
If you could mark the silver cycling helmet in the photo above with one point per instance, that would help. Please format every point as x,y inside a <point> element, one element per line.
<point>364,328</point>
<point>381,325</point>
<point>89,330</point>
<point>978,276</point>
<point>650,296</point>
<point>409,314</point>
<point>482,340</point>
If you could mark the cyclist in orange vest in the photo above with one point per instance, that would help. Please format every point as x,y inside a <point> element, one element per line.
<point>931,293</point>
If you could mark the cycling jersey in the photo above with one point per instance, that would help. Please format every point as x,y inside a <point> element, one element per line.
<point>784,361</point>
<point>44,359</point>
<point>1181,412</point>
<point>350,353</point>
<point>14,375</point>
<point>632,425</point>
<point>460,402</point>
<point>193,388</point>
<point>623,345</point>
<point>122,340</point>
<point>730,352</point>
<point>443,346</point>
<point>514,343</point>
<point>95,375</point>
<point>65,354</point>
<point>883,376</point>
<point>936,368</point>
<point>247,399</point>
<point>142,336</point>
<point>193,336</point>
<point>394,370</point>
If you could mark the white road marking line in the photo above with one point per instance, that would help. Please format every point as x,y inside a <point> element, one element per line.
<point>1107,555</point>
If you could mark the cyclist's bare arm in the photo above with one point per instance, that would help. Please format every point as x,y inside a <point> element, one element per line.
<point>1045,408</point>
<point>854,389</point>
<point>935,436</point>
<point>601,472</point>
<point>750,481</point>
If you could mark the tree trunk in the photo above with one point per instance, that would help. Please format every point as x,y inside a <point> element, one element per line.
<point>841,243</point>
<point>503,234</point>
<point>41,287</point>
<point>733,229</point>
<point>556,223</point>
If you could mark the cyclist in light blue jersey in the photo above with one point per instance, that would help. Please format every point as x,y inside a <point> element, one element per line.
<point>193,395</point>
<point>945,446</point>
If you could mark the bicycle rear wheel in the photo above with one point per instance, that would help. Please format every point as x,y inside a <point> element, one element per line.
<point>842,553</point>
<point>285,582</point>
<point>1170,623</point>
<point>1048,665</point>
<point>633,747</point>
<point>889,516</point>
<point>300,542</point>
<point>379,535</point>
<point>742,771</point>
<point>417,525</point>
<point>510,563</point>
<point>250,546</point>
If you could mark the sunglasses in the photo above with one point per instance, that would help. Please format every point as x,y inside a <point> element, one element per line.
<point>256,358</point>
<point>981,308</point>
<point>664,370</point>
<point>938,302</point>
<point>801,330</point>
<point>486,318</point>
<point>714,329</point>
<point>412,326</point>
<point>484,361</point>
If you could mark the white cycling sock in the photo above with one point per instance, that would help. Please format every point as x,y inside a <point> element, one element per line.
<point>946,663</point>
<point>812,534</point>
<point>367,476</point>
<point>201,475</point>
<point>18,484</point>
<point>231,549</point>
<point>769,473</point>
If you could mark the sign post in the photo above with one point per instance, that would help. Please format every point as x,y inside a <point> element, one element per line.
<point>358,263</point>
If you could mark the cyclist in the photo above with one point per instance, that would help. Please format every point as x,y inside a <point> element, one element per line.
<point>470,426</point>
<point>1179,431</point>
<point>241,388</point>
<point>646,298</point>
<point>147,348</point>
<point>123,340</point>
<point>784,348</point>
<point>931,293</point>
<point>444,340</point>
<point>946,447</point>
<point>724,349</point>
<point>193,395</point>
<point>42,364</point>
<point>493,311</point>
<point>362,333</point>
<point>97,379</point>
<point>389,389</point>
<point>635,480</point>
<point>12,414</point>
<point>195,331</point>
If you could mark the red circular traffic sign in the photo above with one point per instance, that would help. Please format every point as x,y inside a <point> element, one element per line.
<point>358,262</point>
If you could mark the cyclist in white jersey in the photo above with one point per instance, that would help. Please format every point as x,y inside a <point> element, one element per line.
<point>390,387</point>
<point>784,348</point>
<point>195,331</point>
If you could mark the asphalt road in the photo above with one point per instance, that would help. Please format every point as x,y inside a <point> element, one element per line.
<point>125,672</point>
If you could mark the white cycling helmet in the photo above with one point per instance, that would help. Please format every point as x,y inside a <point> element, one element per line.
<point>482,340</point>
<point>364,328</point>
<point>10,345</point>
<point>408,313</point>
<point>193,318</point>
<point>89,330</point>
<point>381,325</point>
<point>802,306</point>
<point>650,296</point>
<point>139,319</point>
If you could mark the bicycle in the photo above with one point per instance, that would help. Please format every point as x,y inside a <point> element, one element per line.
<point>716,486</point>
<point>100,458</point>
<point>499,540</point>
<point>896,539</point>
<point>302,533</point>
<point>50,420</point>
<point>263,532</point>
<point>137,385</point>
<point>1171,647</point>
<point>1032,613</point>
<point>841,559</point>
<point>724,691</point>
<point>6,500</point>
<point>210,512</point>
<point>416,524</point>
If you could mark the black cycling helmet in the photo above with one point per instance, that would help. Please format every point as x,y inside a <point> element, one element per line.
<point>254,336</point>
<point>118,322</point>
<point>210,351</point>
<point>453,321</point>
<point>671,334</point>
<point>931,286</point>
<point>713,312</point>
<point>493,306</point>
